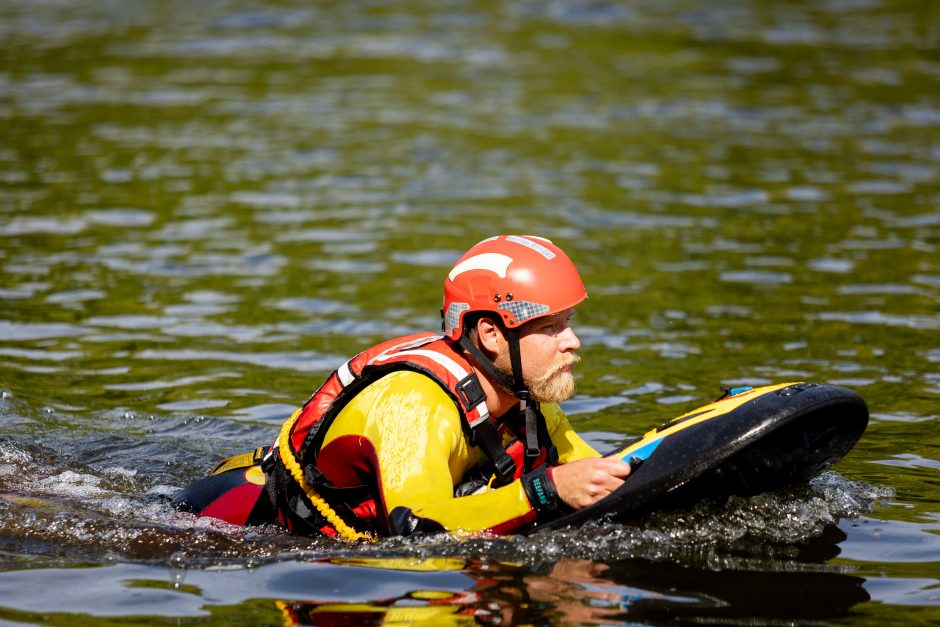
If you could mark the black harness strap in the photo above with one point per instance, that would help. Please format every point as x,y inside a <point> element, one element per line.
<point>546,439</point>
<point>536,431</point>
<point>526,404</point>
<point>485,434</point>
<point>487,437</point>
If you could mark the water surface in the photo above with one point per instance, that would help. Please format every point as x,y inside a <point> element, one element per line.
<point>204,208</point>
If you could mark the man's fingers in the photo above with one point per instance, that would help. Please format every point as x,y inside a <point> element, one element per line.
<point>617,467</point>
<point>610,475</point>
<point>584,482</point>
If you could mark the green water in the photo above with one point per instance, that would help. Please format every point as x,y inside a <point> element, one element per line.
<point>205,207</point>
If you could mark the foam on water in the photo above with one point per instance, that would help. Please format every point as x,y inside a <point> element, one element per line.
<point>713,535</point>
<point>114,511</point>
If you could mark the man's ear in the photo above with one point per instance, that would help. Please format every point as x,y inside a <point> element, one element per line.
<point>490,335</point>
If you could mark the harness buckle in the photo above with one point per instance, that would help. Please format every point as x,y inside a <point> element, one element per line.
<point>470,392</point>
<point>505,467</point>
<point>486,436</point>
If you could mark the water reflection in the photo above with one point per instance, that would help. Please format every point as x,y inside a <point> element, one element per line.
<point>436,591</point>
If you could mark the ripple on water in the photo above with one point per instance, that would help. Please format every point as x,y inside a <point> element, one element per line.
<point>42,225</point>
<point>25,331</point>
<point>909,460</point>
<point>891,541</point>
<point>274,413</point>
<point>912,321</point>
<point>315,305</point>
<point>22,290</point>
<point>582,404</point>
<point>162,384</point>
<point>270,200</point>
<point>193,404</point>
<point>879,288</point>
<point>321,235</point>
<point>836,266</point>
<point>237,333</point>
<point>133,321</point>
<point>195,310</point>
<point>120,217</point>
<point>676,399</point>
<point>301,361</point>
<point>756,276</point>
<point>434,258</point>
<point>39,354</point>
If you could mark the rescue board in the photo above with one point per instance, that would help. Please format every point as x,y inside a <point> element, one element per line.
<point>752,440</point>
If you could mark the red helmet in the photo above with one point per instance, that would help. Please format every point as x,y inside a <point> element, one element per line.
<point>517,277</point>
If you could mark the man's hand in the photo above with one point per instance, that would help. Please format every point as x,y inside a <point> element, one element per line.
<point>586,481</point>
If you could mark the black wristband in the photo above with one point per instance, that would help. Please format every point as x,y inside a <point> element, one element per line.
<point>540,489</point>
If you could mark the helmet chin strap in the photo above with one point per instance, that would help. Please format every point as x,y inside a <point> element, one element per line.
<point>515,384</point>
<point>526,404</point>
<point>504,380</point>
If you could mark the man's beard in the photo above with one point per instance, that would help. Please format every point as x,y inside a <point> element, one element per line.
<point>552,386</point>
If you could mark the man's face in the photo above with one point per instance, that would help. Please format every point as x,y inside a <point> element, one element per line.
<point>548,348</point>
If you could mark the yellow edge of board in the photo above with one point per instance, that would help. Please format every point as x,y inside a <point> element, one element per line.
<point>706,412</point>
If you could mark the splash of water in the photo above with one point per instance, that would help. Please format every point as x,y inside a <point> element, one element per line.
<point>777,525</point>
<point>76,511</point>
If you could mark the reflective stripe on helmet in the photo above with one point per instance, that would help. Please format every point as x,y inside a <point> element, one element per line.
<point>452,315</point>
<point>523,310</point>
<point>525,241</point>
<point>494,262</point>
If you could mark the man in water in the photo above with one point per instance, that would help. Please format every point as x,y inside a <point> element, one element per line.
<point>429,432</point>
<point>461,432</point>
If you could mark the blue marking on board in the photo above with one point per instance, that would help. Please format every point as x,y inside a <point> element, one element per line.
<point>643,452</point>
<point>736,391</point>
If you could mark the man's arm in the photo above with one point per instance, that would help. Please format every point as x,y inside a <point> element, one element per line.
<point>419,453</point>
<point>417,449</point>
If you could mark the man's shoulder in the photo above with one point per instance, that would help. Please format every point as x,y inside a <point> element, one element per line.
<point>407,390</point>
<point>410,382</point>
<point>553,409</point>
<point>553,413</point>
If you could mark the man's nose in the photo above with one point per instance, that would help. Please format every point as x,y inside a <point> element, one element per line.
<point>569,340</point>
